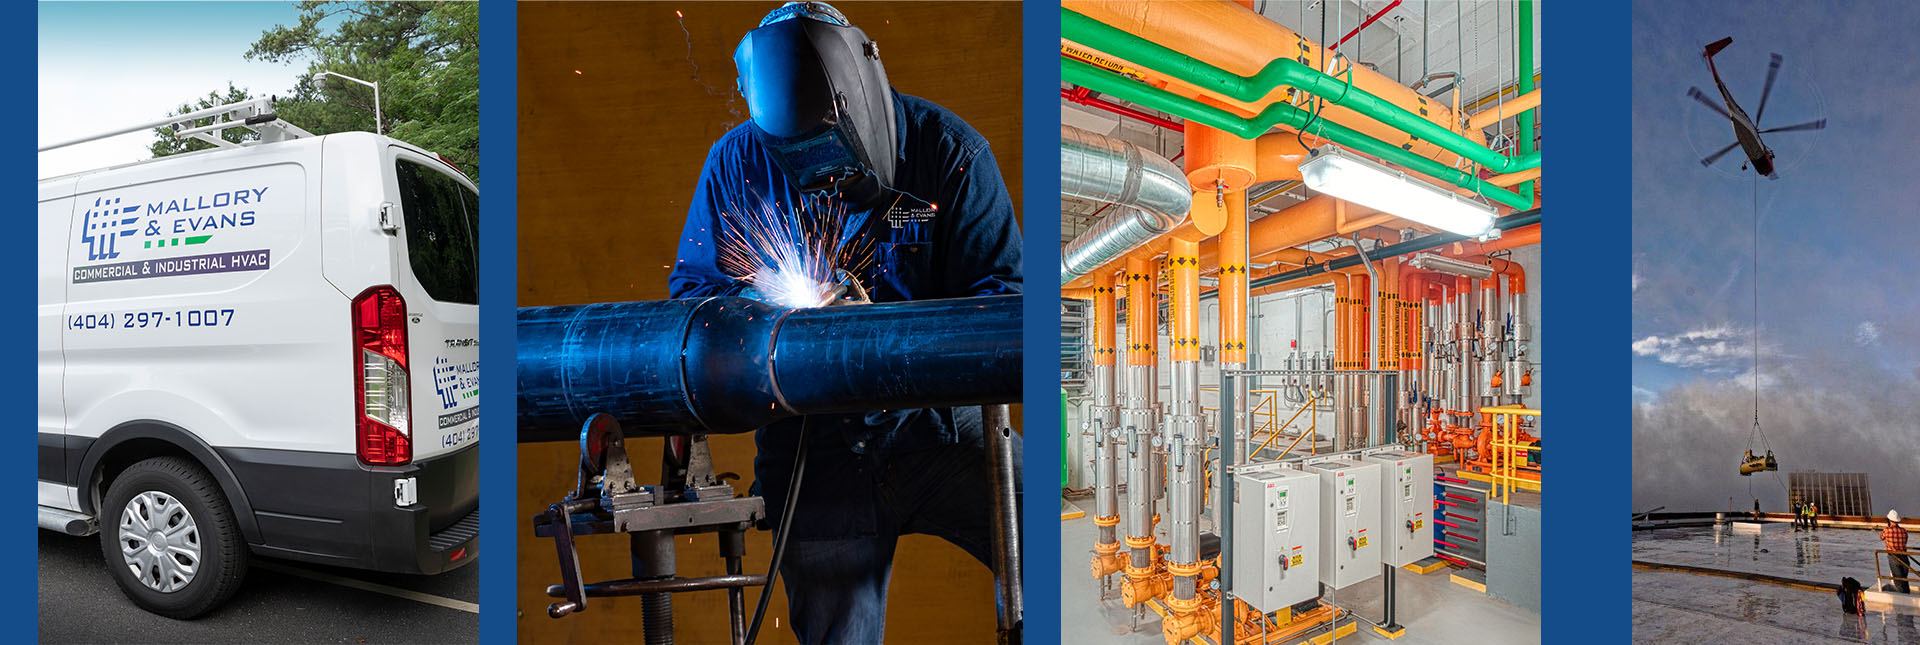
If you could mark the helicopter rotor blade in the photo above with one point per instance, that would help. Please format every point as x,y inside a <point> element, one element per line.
<point>1773,71</point>
<point>1810,125</point>
<point>1709,159</point>
<point>1697,95</point>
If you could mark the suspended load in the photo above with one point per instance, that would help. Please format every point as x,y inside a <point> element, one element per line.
<point>1751,464</point>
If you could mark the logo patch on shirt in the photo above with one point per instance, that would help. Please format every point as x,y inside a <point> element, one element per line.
<point>910,211</point>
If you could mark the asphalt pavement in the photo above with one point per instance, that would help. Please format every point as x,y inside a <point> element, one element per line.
<point>280,602</point>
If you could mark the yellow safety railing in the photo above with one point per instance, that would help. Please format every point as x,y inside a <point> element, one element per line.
<point>1266,405</point>
<point>1912,561</point>
<point>1505,446</point>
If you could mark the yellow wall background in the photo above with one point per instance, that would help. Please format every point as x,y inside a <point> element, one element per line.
<point>619,103</point>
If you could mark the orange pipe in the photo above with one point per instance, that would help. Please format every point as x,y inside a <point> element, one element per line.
<point>1362,217</point>
<point>1524,236</point>
<point>1103,319</point>
<point>1503,111</point>
<point>1232,245</point>
<point>1414,287</point>
<point>1217,161</point>
<point>1238,40</point>
<point>1184,262</point>
<point>1360,334</point>
<point>1342,343</point>
<point>1389,330</point>
<point>1513,178</point>
<point>1516,277</point>
<point>1277,157</point>
<point>1142,316</point>
<point>1077,294</point>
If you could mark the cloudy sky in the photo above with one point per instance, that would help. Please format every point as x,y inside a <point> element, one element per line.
<point>104,65</point>
<point>1839,253</point>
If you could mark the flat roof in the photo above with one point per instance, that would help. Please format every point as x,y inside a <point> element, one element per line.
<point>1759,588</point>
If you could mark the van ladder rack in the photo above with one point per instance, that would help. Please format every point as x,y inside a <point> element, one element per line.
<point>253,114</point>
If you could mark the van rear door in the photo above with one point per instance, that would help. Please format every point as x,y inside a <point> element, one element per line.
<point>438,275</point>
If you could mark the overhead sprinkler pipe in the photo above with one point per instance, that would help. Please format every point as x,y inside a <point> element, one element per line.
<point>1075,97</point>
<point>1280,114</point>
<point>1151,191</point>
<point>1283,71</point>
<point>1365,23</point>
<point>708,365</point>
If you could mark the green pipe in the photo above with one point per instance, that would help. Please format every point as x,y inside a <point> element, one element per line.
<point>1525,119</point>
<point>1096,79</point>
<point>1282,72</point>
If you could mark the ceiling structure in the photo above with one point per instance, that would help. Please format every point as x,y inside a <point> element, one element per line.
<point>1408,40</point>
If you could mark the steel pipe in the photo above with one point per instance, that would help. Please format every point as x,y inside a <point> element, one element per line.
<point>731,365</point>
<point>1151,191</point>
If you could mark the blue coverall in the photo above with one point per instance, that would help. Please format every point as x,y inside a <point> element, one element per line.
<point>872,477</point>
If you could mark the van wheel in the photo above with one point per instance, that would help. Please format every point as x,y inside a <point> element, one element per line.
<point>170,539</point>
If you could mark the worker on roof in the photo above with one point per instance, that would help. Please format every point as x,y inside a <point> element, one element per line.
<point>922,189</point>
<point>1895,538</point>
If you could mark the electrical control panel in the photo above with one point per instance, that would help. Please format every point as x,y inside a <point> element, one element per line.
<point>1349,521</point>
<point>1406,506</point>
<point>1276,543</point>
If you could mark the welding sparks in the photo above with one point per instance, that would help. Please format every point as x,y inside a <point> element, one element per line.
<point>791,256</point>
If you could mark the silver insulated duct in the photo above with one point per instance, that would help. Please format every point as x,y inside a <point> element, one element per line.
<point>1152,194</point>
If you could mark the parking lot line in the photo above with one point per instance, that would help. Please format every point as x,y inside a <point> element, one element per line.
<point>469,607</point>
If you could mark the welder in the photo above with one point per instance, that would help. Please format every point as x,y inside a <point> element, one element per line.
<point>923,189</point>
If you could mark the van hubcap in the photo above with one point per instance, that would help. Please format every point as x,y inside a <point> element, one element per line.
<point>160,541</point>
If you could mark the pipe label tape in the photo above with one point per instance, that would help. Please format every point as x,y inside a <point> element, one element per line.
<point>1102,62</point>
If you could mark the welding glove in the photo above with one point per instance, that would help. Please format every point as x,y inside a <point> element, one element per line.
<point>847,290</point>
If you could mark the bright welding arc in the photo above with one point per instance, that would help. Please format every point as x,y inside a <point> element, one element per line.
<point>791,255</point>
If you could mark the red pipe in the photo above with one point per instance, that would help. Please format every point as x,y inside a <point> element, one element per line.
<point>1450,479</point>
<point>1470,499</point>
<point>1442,501</point>
<point>1122,110</point>
<point>1463,537</point>
<point>1446,543</point>
<point>1446,523</point>
<point>1364,23</point>
<point>1444,557</point>
<point>1460,517</point>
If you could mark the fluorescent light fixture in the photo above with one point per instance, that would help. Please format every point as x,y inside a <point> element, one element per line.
<point>1450,266</point>
<point>1347,176</point>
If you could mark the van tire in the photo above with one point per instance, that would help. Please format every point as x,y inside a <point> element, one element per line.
<point>223,552</point>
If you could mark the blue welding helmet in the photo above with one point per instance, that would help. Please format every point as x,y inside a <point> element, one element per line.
<point>819,100</point>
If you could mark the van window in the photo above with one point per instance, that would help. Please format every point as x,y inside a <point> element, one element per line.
<point>442,224</point>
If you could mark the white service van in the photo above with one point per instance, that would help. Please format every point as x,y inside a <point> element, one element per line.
<point>266,349</point>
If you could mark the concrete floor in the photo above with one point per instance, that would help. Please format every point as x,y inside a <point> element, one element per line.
<point>1433,609</point>
<point>1674,606</point>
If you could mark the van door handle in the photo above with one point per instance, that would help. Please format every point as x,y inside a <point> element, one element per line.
<point>387,222</point>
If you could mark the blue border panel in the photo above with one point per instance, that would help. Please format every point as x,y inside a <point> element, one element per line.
<point>1040,552</point>
<point>18,41</point>
<point>1585,569</point>
<point>498,296</point>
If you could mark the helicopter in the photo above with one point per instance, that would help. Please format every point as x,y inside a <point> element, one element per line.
<point>1746,131</point>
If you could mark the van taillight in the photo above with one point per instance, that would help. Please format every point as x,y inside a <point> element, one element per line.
<point>380,379</point>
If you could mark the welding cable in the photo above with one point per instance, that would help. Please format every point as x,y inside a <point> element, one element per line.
<point>780,534</point>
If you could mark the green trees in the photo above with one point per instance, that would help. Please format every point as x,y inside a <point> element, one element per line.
<point>425,56</point>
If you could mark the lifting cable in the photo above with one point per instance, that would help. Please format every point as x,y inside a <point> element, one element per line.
<point>1757,430</point>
